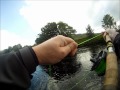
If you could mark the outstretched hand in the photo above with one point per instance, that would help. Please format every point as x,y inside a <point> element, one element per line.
<point>55,49</point>
<point>112,33</point>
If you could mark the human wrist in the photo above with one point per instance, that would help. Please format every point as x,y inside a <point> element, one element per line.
<point>36,49</point>
<point>27,57</point>
<point>34,55</point>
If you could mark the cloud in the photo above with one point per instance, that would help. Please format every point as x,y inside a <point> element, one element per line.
<point>39,13</point>
<point>10,39</point>
<point>77,14</point>
<point>103,7</point>
<point>118,23</point>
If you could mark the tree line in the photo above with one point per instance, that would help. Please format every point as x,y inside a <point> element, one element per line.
<point>53,29</point>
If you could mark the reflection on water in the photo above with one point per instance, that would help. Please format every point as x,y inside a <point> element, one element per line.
<point>83,79</point>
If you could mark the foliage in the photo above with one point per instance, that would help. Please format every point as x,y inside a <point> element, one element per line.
<point>118,29</point>
<point>65,29</point>
<point>48,31</point>
<point>108,22</point>
<point>52,29</point>
<point>89,31</point>
<point>9,49</point>
<point>97,41</point>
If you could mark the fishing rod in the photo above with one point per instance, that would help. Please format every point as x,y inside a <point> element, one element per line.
<point>111,75</point>
<point>106,62</point>
<point>102,63</point>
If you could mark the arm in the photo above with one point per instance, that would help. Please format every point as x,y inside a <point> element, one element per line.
<point>115,36</point>
<point>16,67</point>
<point>116,43</point>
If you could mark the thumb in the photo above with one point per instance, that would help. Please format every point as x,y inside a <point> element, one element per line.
<point>70,48</point>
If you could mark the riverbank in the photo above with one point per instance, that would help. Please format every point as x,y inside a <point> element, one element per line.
<point>98,40</point>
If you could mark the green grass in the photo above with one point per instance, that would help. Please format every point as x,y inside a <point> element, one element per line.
<point>79,36</point>
<point>96,41</point>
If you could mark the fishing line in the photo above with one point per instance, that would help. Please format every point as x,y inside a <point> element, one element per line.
<point>89,39</point>
<point>80,81</point>
<point>50,70</point>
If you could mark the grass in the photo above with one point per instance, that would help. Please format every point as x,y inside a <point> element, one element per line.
<point>96,41</point>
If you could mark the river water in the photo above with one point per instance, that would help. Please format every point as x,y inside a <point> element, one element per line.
<point>84,78</point>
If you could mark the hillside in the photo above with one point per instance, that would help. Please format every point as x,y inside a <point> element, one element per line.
<point>79,38</point>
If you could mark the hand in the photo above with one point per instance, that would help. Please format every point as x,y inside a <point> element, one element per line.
<point>55,49</point>
<point>112,33</point>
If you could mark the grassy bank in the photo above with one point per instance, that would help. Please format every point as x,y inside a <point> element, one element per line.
<point>79,38</point>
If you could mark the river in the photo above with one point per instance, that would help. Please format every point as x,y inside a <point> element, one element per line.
<point>82,79</point>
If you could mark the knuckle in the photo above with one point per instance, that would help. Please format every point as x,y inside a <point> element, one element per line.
<point>62,52</point>
<point>74,45</point>
<point>59,36</point>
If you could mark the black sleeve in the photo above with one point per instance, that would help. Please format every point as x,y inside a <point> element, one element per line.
<point>117,45</point>
<point>16,68</point>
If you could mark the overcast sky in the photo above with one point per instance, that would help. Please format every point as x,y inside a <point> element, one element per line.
<point>21,20</point>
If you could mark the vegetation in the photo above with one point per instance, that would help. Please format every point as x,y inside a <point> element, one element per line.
<point>97,41</point>
<point>89,30</point>
<point>118,29</point>
<point>9,49</point>
<point>52,29</point>
<point>108,22</point>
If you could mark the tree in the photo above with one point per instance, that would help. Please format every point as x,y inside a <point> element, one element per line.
<point>65,29</point>
<point>89,31</point>
<point>48,31</point>
<point>9,49</point>
<point>118,28</point>
<point>16,47</point>
<point>52,29</point>
<point>108,22</point>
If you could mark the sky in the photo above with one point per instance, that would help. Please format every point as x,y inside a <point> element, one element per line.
<point>21,20</point>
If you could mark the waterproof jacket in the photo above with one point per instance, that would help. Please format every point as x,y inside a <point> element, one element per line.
<point>117,45</point>
<point>117,50</point>
<point>16,69</point>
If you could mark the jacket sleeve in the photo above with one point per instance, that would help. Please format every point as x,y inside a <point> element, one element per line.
<point>16,69</point>
<point>117,45</point>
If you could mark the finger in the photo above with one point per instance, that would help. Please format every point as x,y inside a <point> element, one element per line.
<point>69,40</point>
<point>73,52</point>
<point>68,49</point>
<point>65,40</point>
<point>102,33</point>
<point>74,49</point>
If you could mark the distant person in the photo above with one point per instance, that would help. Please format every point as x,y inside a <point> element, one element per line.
<point>16,67</point>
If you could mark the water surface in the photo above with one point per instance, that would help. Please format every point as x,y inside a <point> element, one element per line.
<point>84,78</point>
